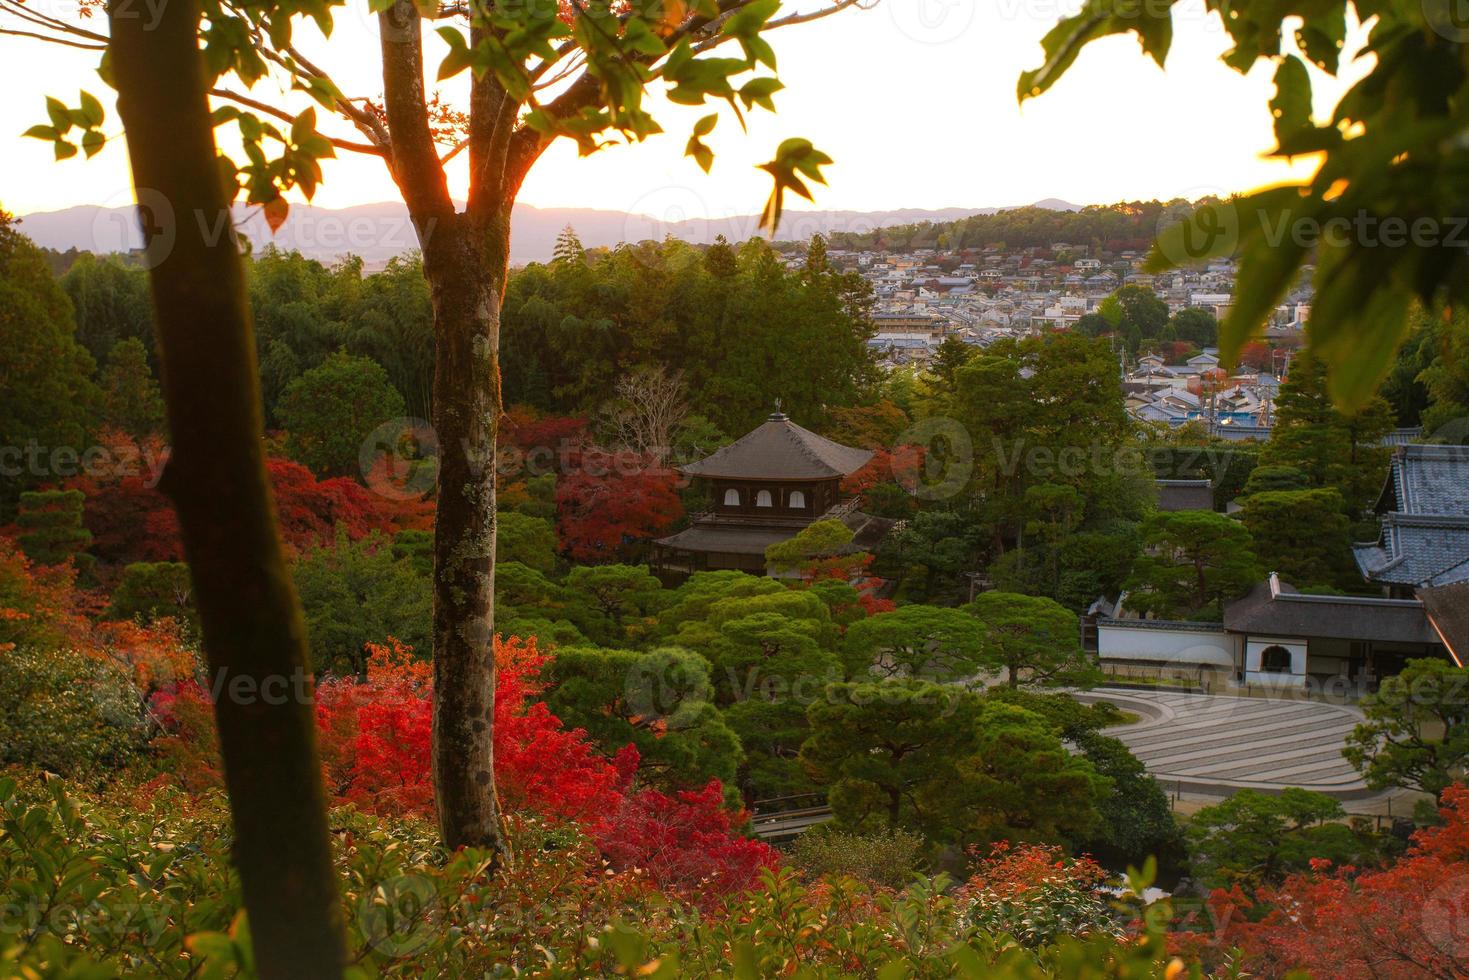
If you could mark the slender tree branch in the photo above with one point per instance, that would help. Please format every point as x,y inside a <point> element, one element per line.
<point>366,120</point>
<point>414,158</point>
<point>491,123</point>
<point>46,20</point>
<point>54,40</point>
<point>281,114</point>
<point>457,149</point>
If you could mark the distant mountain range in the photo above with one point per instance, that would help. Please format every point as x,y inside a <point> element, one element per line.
<point>377,232</point>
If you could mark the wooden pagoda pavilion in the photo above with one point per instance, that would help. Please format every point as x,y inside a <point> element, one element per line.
<point>766,487</point>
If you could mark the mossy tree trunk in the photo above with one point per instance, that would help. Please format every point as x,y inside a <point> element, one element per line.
<point>466,258</point>
<point>253,635</point>
<point>466,265</point>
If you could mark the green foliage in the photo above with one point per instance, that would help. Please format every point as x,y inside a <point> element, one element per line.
<point>768,667</point>
<point>692,601</point>
<point>886,856</point>
<point>1334,449</point>
<point>1193,562</point>
<point>131,399</point>
<point>1136,817</point>
<point>149,590</point>
<point>890,754</point>
<point>1068,717</point>
<point>1303,535</point>
<point>305,312</point>
<point>330,410</point>
<point>1267,479</point>
<point>111,303</point>
<point>1075,572</point>
<point>817,541</point>
<point>922,642</point>
<point>1416,734</point>
<point>1023,784</point>
<point>946,763</point>
<point>942,543</point>
<point>614,601</point>
<point>1445,378</point>
<point>660,701</point>
<point>1406,386</point>
<point>1031,639</point>
<point>1256,838</point>
<point>1228,466</point>
<point>417,548</point>
<point>48,395</point>
<point>571,330</point>
<point>356,592</point>
<point>1053,449</point>
<point>1137,314</point>
<point>65,711</point>
<point>51,530</point>
<point>528,540</point>
<point>101,889</point>
<point>1195,325</point>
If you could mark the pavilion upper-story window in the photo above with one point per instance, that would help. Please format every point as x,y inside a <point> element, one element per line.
<point>797,500</point>
<point>764,499</point>
<point>731,497</point>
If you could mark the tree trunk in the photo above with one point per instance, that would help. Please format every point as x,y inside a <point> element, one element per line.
<point>466,263</point>
<point>253,634</point>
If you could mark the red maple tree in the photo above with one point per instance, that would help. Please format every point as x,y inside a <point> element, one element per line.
<point>1407,920</point>
<point>374,740</point>
<point>607,503</point>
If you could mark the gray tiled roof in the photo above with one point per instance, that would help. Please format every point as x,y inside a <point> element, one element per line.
<point>1425,519</point>
<point>1274,608</point>
<point>781,450</point>
<point>1428,479</point>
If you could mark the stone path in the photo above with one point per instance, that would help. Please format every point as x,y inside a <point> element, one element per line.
<point>1212,744</point>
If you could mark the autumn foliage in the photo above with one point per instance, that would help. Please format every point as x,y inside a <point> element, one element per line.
<point>1406,920</point>
<point>132,520</point>
<point>607,502</point>
<point>374,739</point>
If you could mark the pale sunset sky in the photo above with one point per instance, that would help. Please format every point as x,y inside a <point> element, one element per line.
<point>914,99</point>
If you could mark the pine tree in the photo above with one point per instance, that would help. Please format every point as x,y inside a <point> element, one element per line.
<point>1333,449</point>
<point>720,259</point>
<point>51,527</point>
<point>131,398</point>
<point>569,248</point>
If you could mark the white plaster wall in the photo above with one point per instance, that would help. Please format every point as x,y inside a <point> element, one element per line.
<point>1183,647</point>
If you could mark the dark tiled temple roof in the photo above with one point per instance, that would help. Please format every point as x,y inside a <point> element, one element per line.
<point>750,537</point>
<point>1428,480</point>
<point>781,450</point>
<point>1425,520</point>
<point>1273,608</point>
<point>1185,495</point>
<point>726,539</point>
